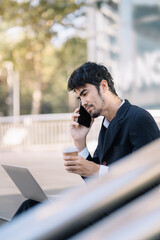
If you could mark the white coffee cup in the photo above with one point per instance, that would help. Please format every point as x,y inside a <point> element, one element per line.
<point>70,151</point>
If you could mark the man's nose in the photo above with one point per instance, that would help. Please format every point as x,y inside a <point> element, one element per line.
<point>84,103</point>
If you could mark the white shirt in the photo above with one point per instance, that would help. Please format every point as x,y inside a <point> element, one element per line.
<point>84,153</point>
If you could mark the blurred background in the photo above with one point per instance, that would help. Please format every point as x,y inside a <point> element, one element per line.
<point>42,42</point>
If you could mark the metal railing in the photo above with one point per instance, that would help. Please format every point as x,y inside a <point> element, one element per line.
<point>45,132</point>
<point>39,132</point>
<point>127,181</point>
<point>139,219</point>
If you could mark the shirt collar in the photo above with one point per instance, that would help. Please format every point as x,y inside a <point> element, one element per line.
<point>106,122</point>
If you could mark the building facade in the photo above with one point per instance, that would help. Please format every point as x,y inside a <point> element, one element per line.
<point>124,35</point>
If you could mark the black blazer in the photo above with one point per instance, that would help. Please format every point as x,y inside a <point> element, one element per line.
<point>132,128</point>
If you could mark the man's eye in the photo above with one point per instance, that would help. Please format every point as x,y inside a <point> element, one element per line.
<point>84,94</point>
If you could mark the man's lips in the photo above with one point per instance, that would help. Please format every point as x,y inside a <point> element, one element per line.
<point>88,108</point>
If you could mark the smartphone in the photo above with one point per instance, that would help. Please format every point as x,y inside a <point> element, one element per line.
<point>84,118</point>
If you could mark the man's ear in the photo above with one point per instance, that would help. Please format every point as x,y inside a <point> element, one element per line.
<point>104,85</point>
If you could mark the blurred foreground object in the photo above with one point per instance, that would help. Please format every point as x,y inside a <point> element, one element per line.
<point>132,183</point>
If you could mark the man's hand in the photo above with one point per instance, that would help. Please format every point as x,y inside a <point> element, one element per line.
<point>78,132</point>
<point>80,166</point>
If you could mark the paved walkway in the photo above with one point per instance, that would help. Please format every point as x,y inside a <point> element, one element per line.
<point>46,167</point>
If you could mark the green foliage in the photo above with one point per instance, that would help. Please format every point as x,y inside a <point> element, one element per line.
<point>3,92</point>
<point>66,59</point>
<point>26,30</point>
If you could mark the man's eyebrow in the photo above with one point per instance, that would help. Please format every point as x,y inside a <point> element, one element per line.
<point>81,93</point>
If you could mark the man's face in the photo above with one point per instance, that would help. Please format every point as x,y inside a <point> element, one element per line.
<point>91,99</point>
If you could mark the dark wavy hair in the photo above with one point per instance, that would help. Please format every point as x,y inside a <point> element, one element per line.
<point>92,73</point>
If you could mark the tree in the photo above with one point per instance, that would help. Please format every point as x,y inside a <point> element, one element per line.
<point>3,92</point>
<point>66,59</point>
<point>35,21</point>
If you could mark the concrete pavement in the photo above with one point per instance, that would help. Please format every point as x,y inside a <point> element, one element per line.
<point>46,167</point>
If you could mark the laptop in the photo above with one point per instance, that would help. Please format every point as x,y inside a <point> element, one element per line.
<point>27,184</point>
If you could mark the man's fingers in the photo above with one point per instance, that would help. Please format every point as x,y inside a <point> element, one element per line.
<point>70,163</point>
<point>76,110</point>
<point>71,169</point>
<point>74,124</point>
<point>75,116</point>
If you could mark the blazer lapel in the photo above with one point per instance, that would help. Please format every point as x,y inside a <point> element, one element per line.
<point>110,135</point>
<point>114,128</point>
<point>101,140</point>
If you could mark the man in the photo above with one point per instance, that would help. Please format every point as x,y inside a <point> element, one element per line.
<point>125,127</point>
